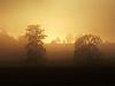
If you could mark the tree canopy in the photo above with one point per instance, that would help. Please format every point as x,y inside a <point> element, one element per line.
<point>34,47</point>
<point>87,48</point>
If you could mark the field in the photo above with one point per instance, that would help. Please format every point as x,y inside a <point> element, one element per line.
<point>58,67</point>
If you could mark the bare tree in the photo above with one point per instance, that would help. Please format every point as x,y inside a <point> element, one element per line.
<point>34,47</point>
<point>87,49</point>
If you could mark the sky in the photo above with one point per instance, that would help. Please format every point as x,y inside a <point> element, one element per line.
<point>60,17</point>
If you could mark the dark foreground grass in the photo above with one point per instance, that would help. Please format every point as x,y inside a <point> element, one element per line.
<point>44,75</point>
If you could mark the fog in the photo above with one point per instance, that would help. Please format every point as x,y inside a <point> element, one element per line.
<point>60,17</point>
<point>13,52</point>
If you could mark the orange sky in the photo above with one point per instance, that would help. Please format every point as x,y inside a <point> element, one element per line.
<point>60,17</point>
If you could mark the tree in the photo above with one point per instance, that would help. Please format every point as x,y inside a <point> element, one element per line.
<point>69,38</point>
<point>56,41</point>
<point>9,47</point>
<point>87,49</point>
<point>34,47</point>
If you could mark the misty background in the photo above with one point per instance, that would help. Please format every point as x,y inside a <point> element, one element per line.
<point>59,17</point>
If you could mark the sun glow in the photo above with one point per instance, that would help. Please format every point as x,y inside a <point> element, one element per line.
<point>59,17</point>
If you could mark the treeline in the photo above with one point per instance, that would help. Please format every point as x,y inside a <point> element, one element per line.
<point>11,50</point>
<point>29,49</point>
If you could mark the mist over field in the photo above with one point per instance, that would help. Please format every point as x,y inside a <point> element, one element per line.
<point>13,52</point>
<point>57,40</point>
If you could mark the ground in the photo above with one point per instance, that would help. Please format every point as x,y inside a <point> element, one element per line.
<point>44,75</point>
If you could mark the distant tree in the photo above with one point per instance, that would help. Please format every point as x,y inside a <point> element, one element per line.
<point>56,41</point>
<point>9,47</point>
<point>87,49</point>
<point>53,42</point>
<point>34,47</point>
<point>69,38</point>
<point>64,42</point>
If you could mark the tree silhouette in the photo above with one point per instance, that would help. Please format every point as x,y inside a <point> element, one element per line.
<point>34,47</point>
<point>56,41</point>
<point>69,38</point>
<point>87,49</point>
